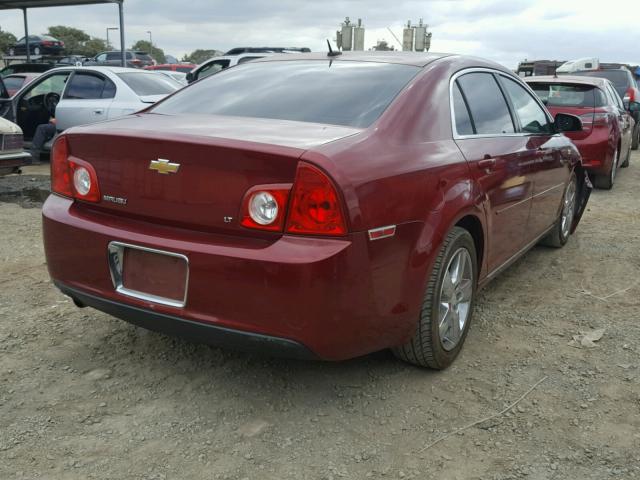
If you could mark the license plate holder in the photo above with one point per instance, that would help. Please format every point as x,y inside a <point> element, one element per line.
<point>149,274</point>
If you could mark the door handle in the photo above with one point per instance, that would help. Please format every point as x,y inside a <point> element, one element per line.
<point>98,112</point>
<point>486,163</point>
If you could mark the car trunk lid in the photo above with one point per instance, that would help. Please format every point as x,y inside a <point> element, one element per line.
<point>201,169</point>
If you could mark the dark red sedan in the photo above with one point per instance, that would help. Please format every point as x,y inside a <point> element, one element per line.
<point>606,137</point>
<point>314,206</point>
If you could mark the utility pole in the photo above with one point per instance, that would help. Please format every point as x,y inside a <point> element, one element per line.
<point>109,43</point>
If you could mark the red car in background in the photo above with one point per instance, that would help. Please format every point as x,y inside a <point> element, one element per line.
<point>16,81</point>
<point>607,128</point>
<point>174,67</point>
<point>309,221</point>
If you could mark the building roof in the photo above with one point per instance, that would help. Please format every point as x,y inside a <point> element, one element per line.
<point>14,4</point>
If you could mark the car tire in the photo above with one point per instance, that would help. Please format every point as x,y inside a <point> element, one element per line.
<point>437,342</point>
<point>36,51</point>
<point>605,182</point>
<point>561,231</point>
<point>635,141</point>
<point>12,52</point>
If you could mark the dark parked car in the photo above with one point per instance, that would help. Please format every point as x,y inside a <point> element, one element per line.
<point>625,84</point>
<point>607,128</point>
<point>239,50</point>
<point>25,68</point>
<point>72,61</point>
<point>314,222</point>
<point>38,45</point>
<point>135,59</point>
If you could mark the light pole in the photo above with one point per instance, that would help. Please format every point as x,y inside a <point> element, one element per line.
<point>150,38</point>
<point>110,28</point>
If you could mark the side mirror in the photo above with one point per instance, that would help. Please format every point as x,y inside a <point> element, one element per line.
<point>190,77</point>
<point>567,123</point>
<point>634,107</point>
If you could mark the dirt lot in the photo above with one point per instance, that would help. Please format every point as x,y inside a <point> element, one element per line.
<point>83,395</point>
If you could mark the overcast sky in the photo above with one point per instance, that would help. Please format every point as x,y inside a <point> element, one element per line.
<point>504,30</point>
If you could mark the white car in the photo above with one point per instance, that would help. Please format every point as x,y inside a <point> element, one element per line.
<point>12,156</point>
<point>215,64</point>
<point>81,95</point>
<point>179,77</point>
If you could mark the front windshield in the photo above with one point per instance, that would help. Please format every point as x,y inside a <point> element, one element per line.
<point>349,93</point>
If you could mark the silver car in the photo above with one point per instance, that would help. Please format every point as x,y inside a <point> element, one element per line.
<point>81,95</point>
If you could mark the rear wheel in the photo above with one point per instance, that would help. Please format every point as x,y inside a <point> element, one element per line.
<point>36,51</point>
<point>447,306</point>
<point>562,229</point>
<point>12,52</point>
<point>606,181</point>
<point>635,142</point>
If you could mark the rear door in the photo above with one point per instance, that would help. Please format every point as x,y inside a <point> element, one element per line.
<point>542,159</point>
<point>486,134</point>
<point>86,99</point>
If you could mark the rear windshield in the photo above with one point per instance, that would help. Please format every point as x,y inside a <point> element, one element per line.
<point>619,78</point>
<point>339,93</point>
<point>565,95</point>
<point>144,56</point>
<point>149,83</point>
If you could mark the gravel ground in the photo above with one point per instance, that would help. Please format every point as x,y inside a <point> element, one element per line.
<point>83,395</point>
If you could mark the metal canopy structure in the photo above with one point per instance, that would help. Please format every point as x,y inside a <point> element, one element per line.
<point>24,5</point>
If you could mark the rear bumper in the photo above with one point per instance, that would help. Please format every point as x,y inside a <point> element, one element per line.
<point>339,298</point>
<point>596,151</point>
<point>14,160</point>
<point>194,331</point>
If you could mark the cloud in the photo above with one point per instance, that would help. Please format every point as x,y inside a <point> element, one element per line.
<point>503,30</point>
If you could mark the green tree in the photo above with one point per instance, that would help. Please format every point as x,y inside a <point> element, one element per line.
<point>73,38</point>
<point>93,47</point>
<point>155,52</point>
<point>198,56</point>
<point>6,40</point>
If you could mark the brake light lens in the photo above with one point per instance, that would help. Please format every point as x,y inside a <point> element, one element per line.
<point>70,176</point>
<point>591,119</point>
<point>315,205</point>
<point>264,207</point>
<point>630,95</point>
<point>60,172</point>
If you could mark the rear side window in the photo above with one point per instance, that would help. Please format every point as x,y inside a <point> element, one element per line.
<point>149,83</point>
<point>211,68</point>
<point>247,59</point>
<point>532,117</point>
<point>85,86</point>
<point>486,103</point>
<point>348,93</point>
<point>461,113</point>
<point>116,55</point>
<point>566,95</point>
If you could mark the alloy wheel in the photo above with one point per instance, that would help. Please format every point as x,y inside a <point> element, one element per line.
<point>568,208</point>
<point>455,299</point>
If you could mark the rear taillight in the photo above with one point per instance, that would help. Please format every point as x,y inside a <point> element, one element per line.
<point>590,119</point>
<point>70,176</point>
<point>264,207</point>
<point>47,43</point>
<point>630,96</point>
<point>136,61</point>
<point>315,205</point>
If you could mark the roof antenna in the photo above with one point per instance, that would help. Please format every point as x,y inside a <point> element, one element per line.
<point>331,52</point>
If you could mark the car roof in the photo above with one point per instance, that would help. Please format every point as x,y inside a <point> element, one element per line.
<point>594,81</point>
<point>418,59</point>
<point>100,68</point>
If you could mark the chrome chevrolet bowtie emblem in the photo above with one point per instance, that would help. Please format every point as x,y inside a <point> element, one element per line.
<point>163,166</point>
